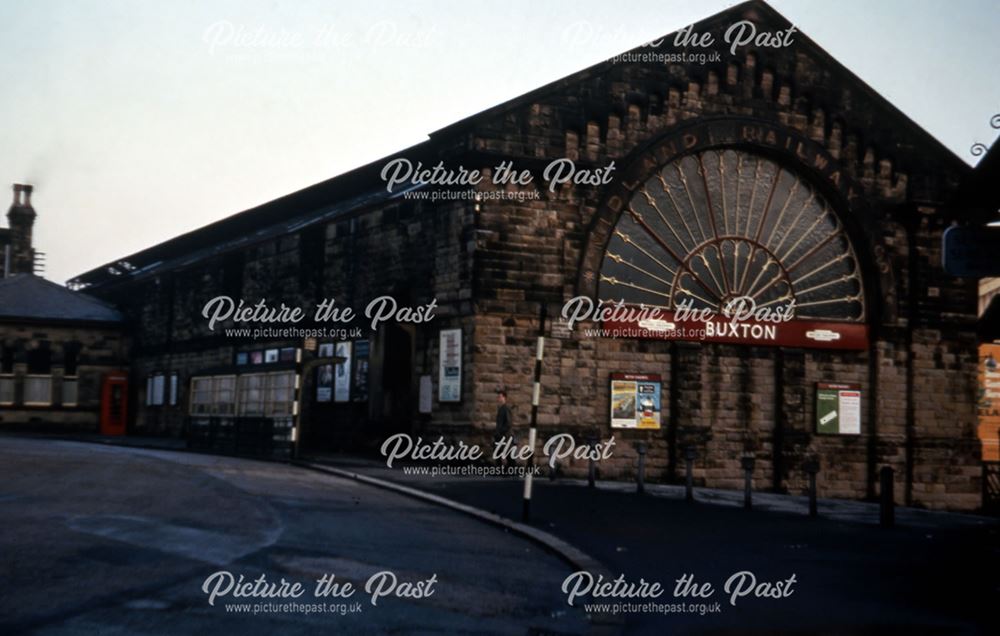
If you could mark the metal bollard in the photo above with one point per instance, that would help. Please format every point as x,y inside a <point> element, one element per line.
<point>640,485</point>
<point>690,454</point>
<point>592,469</point>
<point>812,467</point>
<point>887,504</point>
<point>747,462</point>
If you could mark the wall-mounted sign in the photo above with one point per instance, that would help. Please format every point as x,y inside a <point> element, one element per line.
<point>342,373</point>
<point>838,408</point>
<point>635,400</point>
<point>361,355</point>
<point>792,333</point>
<point>450,369</point>
<point>989,401</point>
<point>324,383</point>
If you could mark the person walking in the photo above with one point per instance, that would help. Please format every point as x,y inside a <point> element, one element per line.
<point>504,423</point>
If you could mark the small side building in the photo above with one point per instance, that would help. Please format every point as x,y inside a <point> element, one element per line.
<point>58,348</point>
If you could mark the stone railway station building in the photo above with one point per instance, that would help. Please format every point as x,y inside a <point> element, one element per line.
<point>773,173</point>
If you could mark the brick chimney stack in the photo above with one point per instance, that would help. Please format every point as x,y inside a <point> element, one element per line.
<point>21,219</point>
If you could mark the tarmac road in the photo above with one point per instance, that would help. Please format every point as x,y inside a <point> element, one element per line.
<point>118,540</point>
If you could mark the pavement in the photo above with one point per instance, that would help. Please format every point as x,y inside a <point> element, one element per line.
<point>934,573</point>
<point>109,539</point>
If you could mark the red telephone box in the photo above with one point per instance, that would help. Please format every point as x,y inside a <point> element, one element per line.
<point>114,403</point>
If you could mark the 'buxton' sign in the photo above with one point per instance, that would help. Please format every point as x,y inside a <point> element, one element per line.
<point>740,321</point>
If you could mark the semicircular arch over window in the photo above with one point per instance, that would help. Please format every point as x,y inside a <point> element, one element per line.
<point>723,224</point>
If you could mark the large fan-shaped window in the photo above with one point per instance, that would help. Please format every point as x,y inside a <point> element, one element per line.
<point>718,225</point>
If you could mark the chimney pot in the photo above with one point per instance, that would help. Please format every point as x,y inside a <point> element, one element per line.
<point>21,218</point>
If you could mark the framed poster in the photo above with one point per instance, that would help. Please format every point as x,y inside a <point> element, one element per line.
<point>256,357</point>
<point>360,361</point>
<point>324,382</point>
<point>342,373</point>
<point>838,408</point>
<point>635,400</point>
<point>325,350</point>
<point>450,368</point>
<point>242,358</point>
<point>287,354</point>
<point>271,355</point>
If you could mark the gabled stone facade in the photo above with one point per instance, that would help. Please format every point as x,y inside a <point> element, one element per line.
<point>493,264</point>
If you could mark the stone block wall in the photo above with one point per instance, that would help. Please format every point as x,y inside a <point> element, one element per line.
<point>917,378</point>
<point>411,251</point>
<point>101,350</point>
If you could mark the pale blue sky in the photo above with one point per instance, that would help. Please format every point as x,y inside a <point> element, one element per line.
<point>139,120</point>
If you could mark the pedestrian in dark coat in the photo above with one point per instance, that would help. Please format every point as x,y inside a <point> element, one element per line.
<point>505,422</point>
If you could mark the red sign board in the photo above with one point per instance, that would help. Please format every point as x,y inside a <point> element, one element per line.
<point>792,333</point>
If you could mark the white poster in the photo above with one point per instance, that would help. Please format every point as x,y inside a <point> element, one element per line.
<point>850,412</point>
<point>450,371</point>
<point>426,391</point>
<point>342,375</point>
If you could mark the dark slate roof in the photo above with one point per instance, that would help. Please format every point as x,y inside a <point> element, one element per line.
<point>29,297</point>
<point>350,191</point>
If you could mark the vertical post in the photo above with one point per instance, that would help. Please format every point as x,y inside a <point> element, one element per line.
<point>887,512</point>
<point>778,439</point>
<point>533,431</point>
<point>592,467</point>
<point>690,454</point>
<point>747,462</point>
<point>296,407</point>
<point>640,485</point>
<point>811,468</point>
